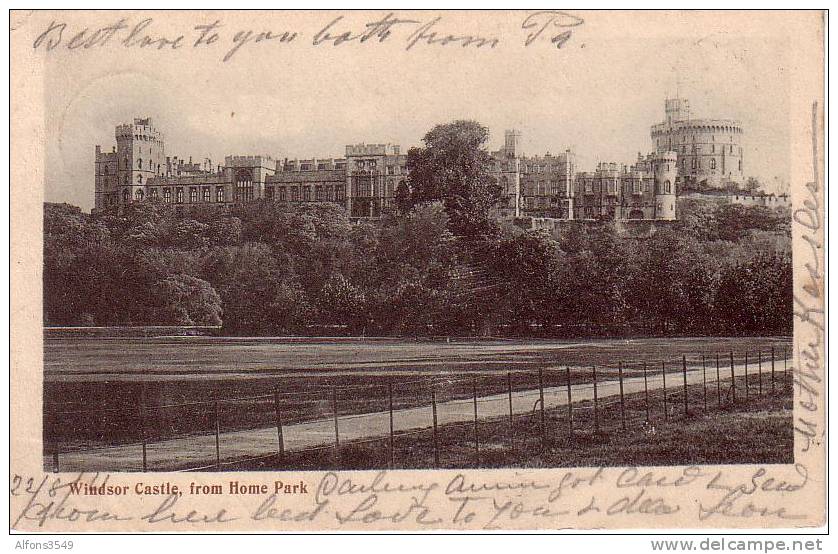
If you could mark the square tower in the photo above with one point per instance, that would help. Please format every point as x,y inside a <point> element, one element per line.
<point>141,155</point>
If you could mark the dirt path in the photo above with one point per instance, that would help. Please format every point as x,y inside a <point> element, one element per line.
<point>199,451</point>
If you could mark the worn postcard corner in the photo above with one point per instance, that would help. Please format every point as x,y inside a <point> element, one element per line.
<point>417,270</point>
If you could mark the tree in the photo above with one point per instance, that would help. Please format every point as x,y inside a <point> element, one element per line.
<point>187,300</point>
<point>454,167</point>
<point>752,185</point>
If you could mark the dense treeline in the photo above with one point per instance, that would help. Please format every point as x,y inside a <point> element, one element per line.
<point>267,270</point>
<point>441,264</point>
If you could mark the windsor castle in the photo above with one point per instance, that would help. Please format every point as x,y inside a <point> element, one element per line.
<point>366,178</point>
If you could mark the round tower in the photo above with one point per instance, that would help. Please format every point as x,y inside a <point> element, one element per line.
<point>666,170</point>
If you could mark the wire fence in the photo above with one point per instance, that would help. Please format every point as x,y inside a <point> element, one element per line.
<point>464,419</point>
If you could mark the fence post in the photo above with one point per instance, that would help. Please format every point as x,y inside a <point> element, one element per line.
<point>476,434</point>
<point>747,391</point>
<point>704,377</point>
<point>732,380</point>
<point>569,402</point>
<point>217,437</point>
<point>759,369</point>
<point>278,416</point>
<point>511,420</point>
<point>686,399</point>
<point>789,379</point>
<point>596,404</point>
<point>54,423</point>
<point>646,393</point>
<point>392,457</point>
<point>785,362</point>
<point>541,399</point>
<point>335,416</point>
<point>436,441</point>
<point>143,426</point>
<point>772,370</point>
<point>622,399</point>
<point>665,407</point>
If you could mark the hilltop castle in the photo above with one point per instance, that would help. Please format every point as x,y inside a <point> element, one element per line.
<point>365,180</point>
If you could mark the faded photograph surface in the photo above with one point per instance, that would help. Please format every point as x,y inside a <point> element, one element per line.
<point>324,241</point>
<point>534,271</point>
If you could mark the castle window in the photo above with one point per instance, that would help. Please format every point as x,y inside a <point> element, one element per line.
<point>139,179</point>
<point>106,170</point>
<point>295,194</point>
<point>205,194</point>
<point>167,195</point>
<point>193,194</point>
<point>713,148</point>
<point>126,195</point>
<point>339,193</point>
<point>731,149</point>
<point>306,193</point>
<point>589,187</point>
<point>152,193</point>
<point>139,194</point>
<point>667,187</point>
<point>712,163</point>
<point>329,192</point>
<point>740,165</point>
<point>219,194</point>
<point>140,163</point>
<point>318,192</point>
<point>635,186</point>
<point>125,162</point>
<point>179,195</point>
<point>282,194</point>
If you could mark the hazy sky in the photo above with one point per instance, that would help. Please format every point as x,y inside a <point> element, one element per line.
<point>598,94</point>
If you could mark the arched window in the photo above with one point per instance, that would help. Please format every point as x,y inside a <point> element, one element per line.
<point>139,194</point>
<point>667,187</point>
<point>167,195</point>
<point>712,163</point>
<point>125,162</point>
<point>139,179</point>
<point>106,170</point>
<point>140,163</point>
<point>126,179</point>
<point>179,197</point>
<point>126,195</point>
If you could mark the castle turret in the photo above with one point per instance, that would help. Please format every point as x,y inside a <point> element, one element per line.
<point>666,169</point>
<point>142,156</point>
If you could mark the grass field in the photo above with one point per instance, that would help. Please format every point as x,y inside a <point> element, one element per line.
<point>93,387</point>
<point>756,431</point>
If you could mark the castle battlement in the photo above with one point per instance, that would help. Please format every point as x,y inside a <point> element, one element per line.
<point>362,149</point>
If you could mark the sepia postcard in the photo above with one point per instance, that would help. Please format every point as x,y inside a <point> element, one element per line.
<point>417,270</point>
